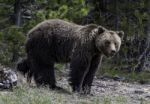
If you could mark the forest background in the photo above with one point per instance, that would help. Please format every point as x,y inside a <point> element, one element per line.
<point>17,17</point>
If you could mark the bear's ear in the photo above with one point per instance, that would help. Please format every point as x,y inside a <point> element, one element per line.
<point>88,28</point>
<point>121,34</point>
<point>101,29</point>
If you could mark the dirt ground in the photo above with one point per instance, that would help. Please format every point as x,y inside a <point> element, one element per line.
<point>132,92</point>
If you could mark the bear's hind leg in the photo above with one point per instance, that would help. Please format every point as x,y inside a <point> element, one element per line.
<point>44,75</point>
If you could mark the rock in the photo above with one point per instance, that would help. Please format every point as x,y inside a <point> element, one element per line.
<point>148,96</point>
<point>115,78</point>
<point>139,91</point>
<point>8,78</point>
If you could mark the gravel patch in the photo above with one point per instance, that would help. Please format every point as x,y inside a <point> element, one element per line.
<point>132,93</point>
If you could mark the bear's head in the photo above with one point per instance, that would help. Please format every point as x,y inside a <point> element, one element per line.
<point>107,41</point>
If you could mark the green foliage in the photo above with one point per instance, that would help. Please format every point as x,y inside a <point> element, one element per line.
<point>68,10</point>
<point>11,43</point>
<point>133,17</point>
<point>7,1</point>
<point>26,95</point>
<point>143,77</point>
<point>59,66</point>
<point>12,38</point>
<point>29,25</point>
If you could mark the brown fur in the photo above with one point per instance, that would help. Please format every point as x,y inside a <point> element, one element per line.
<point>58,41</point>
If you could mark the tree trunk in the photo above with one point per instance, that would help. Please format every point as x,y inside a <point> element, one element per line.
<point>17,15</point>
<point>143,57</point>
<point>117,19</point>
<point>17,12</point>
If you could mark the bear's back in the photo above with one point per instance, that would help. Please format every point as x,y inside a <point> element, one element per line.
<point>54,38</point>
<point>55,27</point>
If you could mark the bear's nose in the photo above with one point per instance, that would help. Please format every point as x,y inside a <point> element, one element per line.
<point>113,52</point>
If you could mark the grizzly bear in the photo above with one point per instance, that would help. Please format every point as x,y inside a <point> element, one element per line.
<point>57,41</point>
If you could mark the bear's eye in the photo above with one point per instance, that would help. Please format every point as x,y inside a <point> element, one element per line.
<point>115,44</point>
<point>107,42</point>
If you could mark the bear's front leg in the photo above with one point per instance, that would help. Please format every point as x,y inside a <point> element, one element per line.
<point>87,83</point>
<point>79,67</point>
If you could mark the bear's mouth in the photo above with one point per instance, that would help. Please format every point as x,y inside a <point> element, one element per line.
<point>104,51</point>
<point>108,54</point>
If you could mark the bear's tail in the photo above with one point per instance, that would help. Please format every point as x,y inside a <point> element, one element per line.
<point>24,68</point>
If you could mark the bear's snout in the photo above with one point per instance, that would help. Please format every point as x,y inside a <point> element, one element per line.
<point>113,52</point>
